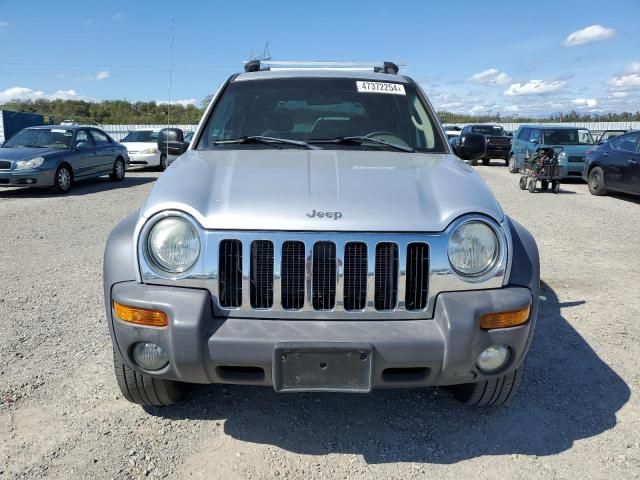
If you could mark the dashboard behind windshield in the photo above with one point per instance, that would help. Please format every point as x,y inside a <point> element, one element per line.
<point>308,109</point>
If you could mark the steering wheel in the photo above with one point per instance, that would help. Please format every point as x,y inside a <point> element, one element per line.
<point>389,137</point>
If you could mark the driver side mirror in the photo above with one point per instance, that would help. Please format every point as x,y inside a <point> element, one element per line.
<point>471,146</point>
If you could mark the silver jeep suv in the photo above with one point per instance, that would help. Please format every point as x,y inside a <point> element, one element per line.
<point>319,235</point>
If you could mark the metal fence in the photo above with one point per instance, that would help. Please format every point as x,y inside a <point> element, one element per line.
<point>118,132</point>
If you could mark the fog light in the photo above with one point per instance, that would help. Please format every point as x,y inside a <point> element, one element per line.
<point>150,356</point>
<point>493,358</point>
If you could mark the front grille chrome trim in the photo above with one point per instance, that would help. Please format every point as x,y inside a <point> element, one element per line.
<point>441,278</point>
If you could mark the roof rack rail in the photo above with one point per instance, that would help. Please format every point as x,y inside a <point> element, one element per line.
<point>378,67</point>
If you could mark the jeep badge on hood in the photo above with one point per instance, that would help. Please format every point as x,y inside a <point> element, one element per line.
<point>316,214</point>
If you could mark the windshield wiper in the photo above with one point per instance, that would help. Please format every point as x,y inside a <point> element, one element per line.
<point>360,139</point>
<point>271,141</point>
<point>33,146</point>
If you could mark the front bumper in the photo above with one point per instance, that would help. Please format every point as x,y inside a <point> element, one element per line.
<point>406,353</point>
<point>26,178</point>
<point>498,152</point>
<point>152,159</point>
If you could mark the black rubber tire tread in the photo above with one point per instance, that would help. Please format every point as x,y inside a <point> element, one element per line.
<point>486,161</point>
<point>56,185</point>
<point>474,162</point>
<point>162,166</point>
<point>602,189</point>
<point>490,393</point>
<point>514,169</point>
<point>523,183</point>
<point>532,185</point>
<point>544,185</point>
<point>146,390</point>
<point>112,176</point>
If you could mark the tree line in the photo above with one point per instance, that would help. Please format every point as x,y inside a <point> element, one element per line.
<point>124,112</point>
<point>108,112</point>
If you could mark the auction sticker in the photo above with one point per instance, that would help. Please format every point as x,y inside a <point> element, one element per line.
<point>380,87</point>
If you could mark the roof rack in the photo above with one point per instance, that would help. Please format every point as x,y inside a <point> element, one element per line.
<point>378,67</point>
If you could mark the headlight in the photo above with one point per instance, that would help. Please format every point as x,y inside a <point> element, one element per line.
<point>173,245</point>
<point>473,248</point>
<point>562,156</point>
<point>150,150</point>
<point>27,164</point>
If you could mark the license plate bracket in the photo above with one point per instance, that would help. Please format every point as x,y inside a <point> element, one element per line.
<point>323,367</point>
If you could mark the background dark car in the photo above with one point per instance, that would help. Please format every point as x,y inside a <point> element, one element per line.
<point>498,142</point>
<point>57,156</point>
<point>614,166</point>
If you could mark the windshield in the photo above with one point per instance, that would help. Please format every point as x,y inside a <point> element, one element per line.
<point>309,109</point>
<point>144,136</point>
<point>488,130</point>
<point>41,137</point>
<point>567,136</point>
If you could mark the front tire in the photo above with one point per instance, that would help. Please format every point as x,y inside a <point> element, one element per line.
<point>490,393</point>
<point>485,161</point>
<point>117,174</point>
<point>474,162</point>
<point>162,166</point>
<point>523,183</point>
<point>63,180</point>
<point>146,390</point>
<point>512,164</point>
<point>532,185</point>
<point>596,182</point>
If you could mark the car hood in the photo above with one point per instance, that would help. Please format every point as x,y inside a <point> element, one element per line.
<point>22,153</point>
<point>281,189</point>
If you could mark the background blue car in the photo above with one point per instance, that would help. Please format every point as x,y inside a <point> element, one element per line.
<point>614,166</point>
<point>57,156</point>
<point>575,143</point>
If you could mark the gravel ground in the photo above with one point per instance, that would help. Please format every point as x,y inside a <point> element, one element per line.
<point>62,416</point>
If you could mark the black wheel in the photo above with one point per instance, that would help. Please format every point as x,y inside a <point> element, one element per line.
<point>506,161</point>
<point>544,185</point>
<point>532,185</point>
<point>523,183</point>
<point>146,390</point>
<point>512,164</point>
<point>555,188</point>
<point>117,174</point>
<point>163,162</point>
<point>474,162</point>
<point>490,393</point>
<point>596,182</point>
<point>63,181</point>
<point>485,161</point>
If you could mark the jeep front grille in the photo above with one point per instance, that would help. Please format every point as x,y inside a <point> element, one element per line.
<point>386,276</point>
<point>292,275</point>
<point>322,275</point>
<point>417,276</point>
<point>230,268</point>
<point>355,276</point>
<point>323,290</point>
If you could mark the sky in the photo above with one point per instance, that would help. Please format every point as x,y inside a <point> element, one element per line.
<point>470,57</point>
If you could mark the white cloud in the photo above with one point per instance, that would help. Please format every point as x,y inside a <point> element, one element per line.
<point>476,109</point>
<point>24,93</point>
<point>490,77</point>
<point>512,108</point>
<point>118,16</point>
<point>184,102</point>
<point>103,75</point>
<point>619,94</point>
<point>585,102</point>
<point>3,24</point>
<point>592,33</point>
<point>534,87</point>
<point>629,80</point>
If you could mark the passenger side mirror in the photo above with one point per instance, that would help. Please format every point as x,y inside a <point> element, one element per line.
<point>471,146</point>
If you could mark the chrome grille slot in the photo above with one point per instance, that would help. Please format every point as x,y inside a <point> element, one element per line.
<point>323,286</point>
<point>386,281</point>
<point>261,274</point>
<point>230,268</point>
<point>292,275</point>
<point>5,165</point>
<point>355,276</point>
<point>417,276</point>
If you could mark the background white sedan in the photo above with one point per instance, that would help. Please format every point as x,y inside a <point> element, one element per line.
<point>142,146</point>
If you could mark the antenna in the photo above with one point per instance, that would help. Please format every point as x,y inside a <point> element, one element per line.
<point>170,71</point>
<point>266,54</point>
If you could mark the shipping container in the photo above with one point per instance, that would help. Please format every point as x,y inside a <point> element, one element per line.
<point>12,122</point>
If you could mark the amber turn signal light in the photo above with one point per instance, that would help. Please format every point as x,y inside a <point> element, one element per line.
<point>140,316</point>
<point>505,319</point>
